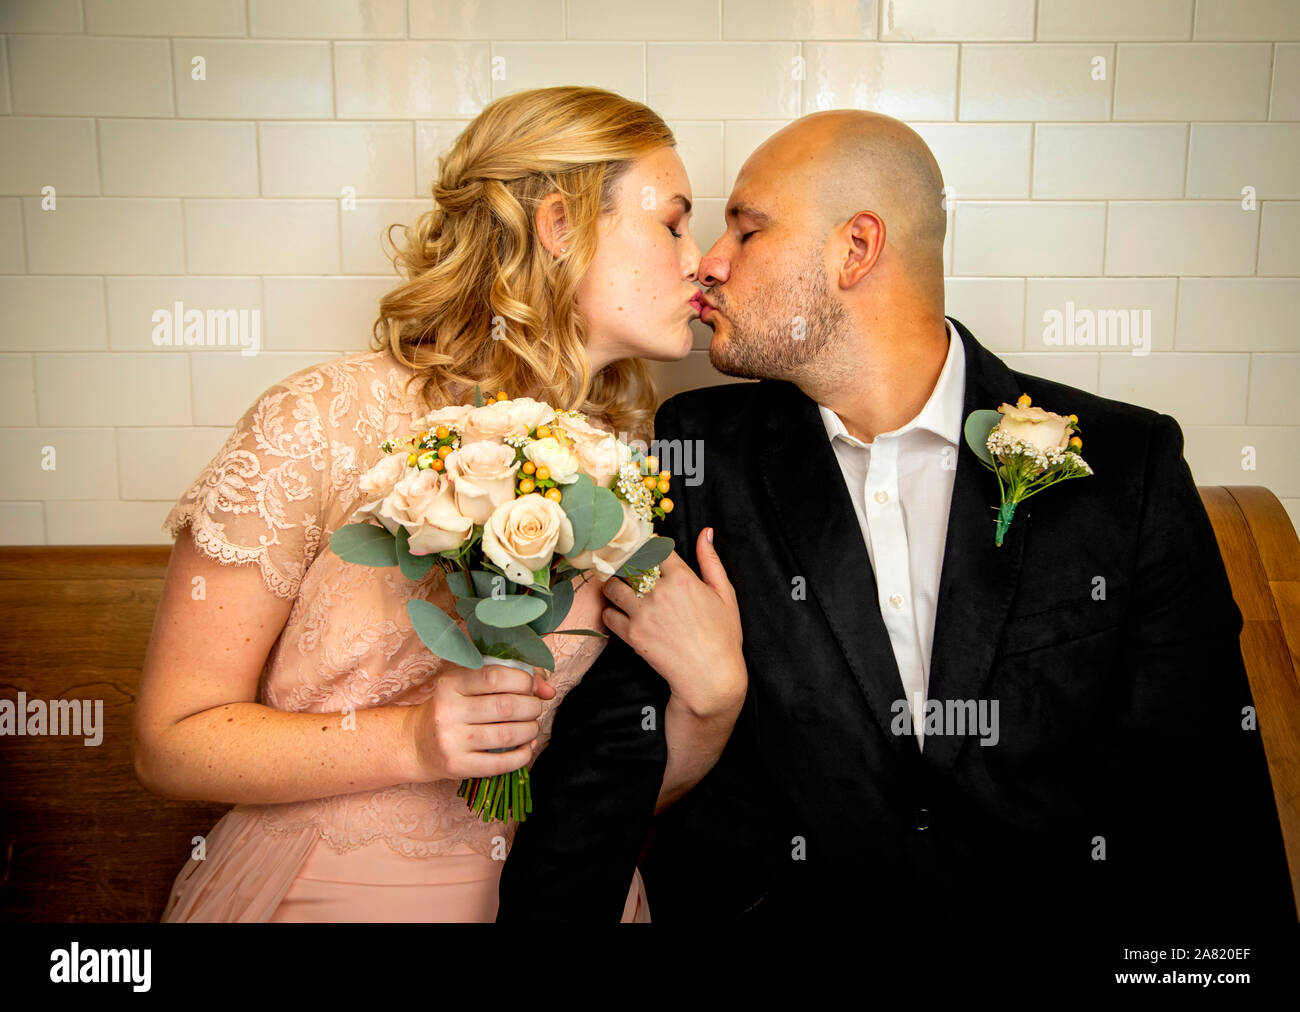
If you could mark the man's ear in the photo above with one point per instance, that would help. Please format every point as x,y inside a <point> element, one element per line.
<point>551,224</point>
<point>864,237</point>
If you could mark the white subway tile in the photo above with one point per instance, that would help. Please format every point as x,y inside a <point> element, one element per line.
<point>322,314</point>
<point>1237,455</point>
<point>411,80</point>
<point>1225,157</point>
<point>1180,237</point>
<point>1274,381</point>
<point>993,309</point>
<point>1035,82</point>
<point>364,228</point>
<point>699,144</point>
<point>898,79</point>
<point>165,17</point>
<point>708,222</point>
<point>944,21</point>
<point>1111,161</point>
<point>319,159</point>
<point>178,158</point>
<point>758,20</point>
<point>1019,239</point>
<point>1075,369</point>
<point>132,303</point>
<point>1267,20</point>
<point>22,523</point>
<point>740,139</point>
<point>1114,20</point>
<point>58,463</point>
<point>615,66</point>
<point>1122,316</point>
<point>226,384</point>
<point>1284,101</point>
<point>45,151</point>
<point>6,107</point>
<point>104,522</point>
<point>431,140</point>
<point>84,235</point>
<point>1279,241</point>
<point>1192,81</point>
<point>12,257</point>
<point>262,236</point>
<point>1195,389</point>
<point>52,314</point>
<point>1238,314</point>
<point>487,19</point>
<point>980,160</point>
<point>65,75</point>
<point>40,16</point>
<point>17,390</point>
<point>327,19</point>
<point>253,79</point>
<point>740,80</point>
<point>666,20</point>
<point>161,463</point>
<point>104,388</point>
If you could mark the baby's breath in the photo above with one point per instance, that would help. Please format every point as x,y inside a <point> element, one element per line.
<point>632,489</point>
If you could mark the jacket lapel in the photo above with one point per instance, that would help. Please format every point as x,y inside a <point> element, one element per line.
<point>978,579</point>
<point>821,527</point>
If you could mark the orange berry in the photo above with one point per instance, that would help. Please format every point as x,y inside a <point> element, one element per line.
<point>665,475</point>
<point>666,505</point>
<point>529,467</point>
<point>489,400</point>
<point>438,465</point>
<point>443,451</point>
<point>663,487</point>
<point>526,486</point>
<point>442,432</point>
<point>650,481</point>
<point>543,431</point>
<point>1024,400</point>
<point>652,464</point>
<point>502,395</point>
<point>553,494</point>
<point>543,473</point>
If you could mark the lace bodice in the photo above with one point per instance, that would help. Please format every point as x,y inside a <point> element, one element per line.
<point>284,480</point>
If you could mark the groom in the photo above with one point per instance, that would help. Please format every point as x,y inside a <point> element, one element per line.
<point>1056,727</point>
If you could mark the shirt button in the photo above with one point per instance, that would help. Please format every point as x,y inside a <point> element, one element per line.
<point>882,496</point>
<point>896,600</point>
<point>922,816</point>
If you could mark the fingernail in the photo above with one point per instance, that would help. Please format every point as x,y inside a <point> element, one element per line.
<point>709,534</point>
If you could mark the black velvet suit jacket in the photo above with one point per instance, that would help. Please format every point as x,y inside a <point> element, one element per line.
<point>1122,785</point>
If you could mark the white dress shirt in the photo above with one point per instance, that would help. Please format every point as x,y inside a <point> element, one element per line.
<point>901,484</point>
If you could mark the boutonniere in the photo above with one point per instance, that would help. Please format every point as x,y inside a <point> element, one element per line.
<point>1029,449</point>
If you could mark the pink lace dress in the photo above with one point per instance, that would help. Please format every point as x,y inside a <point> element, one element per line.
<point>284,480</point>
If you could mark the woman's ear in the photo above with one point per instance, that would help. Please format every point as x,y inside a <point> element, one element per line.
<point>551,224</point>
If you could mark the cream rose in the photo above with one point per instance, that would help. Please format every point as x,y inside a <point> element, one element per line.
<point>523,535</point>
<point>602,458</point>
<point>515,417</point>
<point>1044,430</point>
<point>607,560</point>
<point>380,479</point>
<point>556,457</point>
<point>425,504</point>
<point>452,416</point>
<point>484,477</point>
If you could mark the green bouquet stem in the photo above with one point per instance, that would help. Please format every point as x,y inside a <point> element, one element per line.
<point>1005,512</point>
<point>505,796</point>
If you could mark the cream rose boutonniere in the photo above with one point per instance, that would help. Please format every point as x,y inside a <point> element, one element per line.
<point>1029,449</point>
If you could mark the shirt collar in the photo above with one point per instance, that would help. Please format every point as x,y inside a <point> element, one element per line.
<point>942,412</point>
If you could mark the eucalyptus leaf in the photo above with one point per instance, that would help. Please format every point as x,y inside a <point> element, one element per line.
<point>465,606</point>
<point>478,396</point>
<point>978,426</point>
<point>364,545</point>
<point>441,635</point>
<point>519,643</point>
<point>510,611</point>
<point>578,500</point>
<point>608,519</point>
<point>413,567</point>
<point>650,554</point>
<point>557,608</point>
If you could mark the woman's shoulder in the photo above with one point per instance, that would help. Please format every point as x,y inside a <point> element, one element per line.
<point>374,387</point>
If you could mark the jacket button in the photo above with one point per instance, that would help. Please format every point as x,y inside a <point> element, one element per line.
<point>922,819</point>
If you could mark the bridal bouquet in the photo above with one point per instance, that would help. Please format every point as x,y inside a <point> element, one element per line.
<point>514,500</point>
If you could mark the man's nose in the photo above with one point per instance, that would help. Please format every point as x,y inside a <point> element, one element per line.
<point>714,268</point>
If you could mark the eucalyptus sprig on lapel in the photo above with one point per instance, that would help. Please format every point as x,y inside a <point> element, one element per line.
<point>1029,449</point>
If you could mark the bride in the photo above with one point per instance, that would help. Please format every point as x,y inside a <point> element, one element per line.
<point>289,683</point>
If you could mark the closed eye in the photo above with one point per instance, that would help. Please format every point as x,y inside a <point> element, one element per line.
<point>746,235</point>
<point>676,234</point>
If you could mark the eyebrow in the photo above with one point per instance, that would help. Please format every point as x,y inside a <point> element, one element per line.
<point>686,204</point>
<point>741,209</point>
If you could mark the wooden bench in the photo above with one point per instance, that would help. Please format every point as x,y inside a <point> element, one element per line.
<point>82,841</point>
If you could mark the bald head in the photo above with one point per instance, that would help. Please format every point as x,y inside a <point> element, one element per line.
<point>845,161</point>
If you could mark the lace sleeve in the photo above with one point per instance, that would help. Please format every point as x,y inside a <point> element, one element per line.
<point>261,498</point>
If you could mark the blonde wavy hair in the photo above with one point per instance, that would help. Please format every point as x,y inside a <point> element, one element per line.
<point>483,301</point>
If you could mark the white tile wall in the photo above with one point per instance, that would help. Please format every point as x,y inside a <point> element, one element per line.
<point>1103,156</point>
